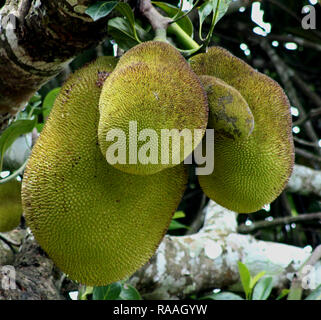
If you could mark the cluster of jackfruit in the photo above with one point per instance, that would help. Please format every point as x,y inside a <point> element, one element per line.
<point>100,222</point>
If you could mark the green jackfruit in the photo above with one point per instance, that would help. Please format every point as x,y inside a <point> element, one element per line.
<point>10,205</point>
<point>98,224</point>
<point>230,114</point>
<point>154,52</point>
<point>154,88</point>
<point>252,172</point>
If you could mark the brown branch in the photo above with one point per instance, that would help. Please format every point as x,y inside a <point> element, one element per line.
<point>315,98</point>
<point>278,221</point>
<point>156,20</point>
<point>292,14</point>
<point>197,223</point>
<point>236,5</point>
<point>307,154</point>
<point>306,143</point>
<point>300,41</point>
<point>285,74</point>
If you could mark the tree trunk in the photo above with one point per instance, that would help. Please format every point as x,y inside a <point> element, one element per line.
<point>37,40</point>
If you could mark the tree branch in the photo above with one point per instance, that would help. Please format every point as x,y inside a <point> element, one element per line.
<point>208,259</point>
<point>285,74</point>
<point>156,20</point>
<point>278,221</point>
<point>38,39</point>
<point>300,41</point>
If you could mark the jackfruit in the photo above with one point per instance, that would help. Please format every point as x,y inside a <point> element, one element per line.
<point>154,90</point>
<point>230,114</point>
<point>98,224</point>
<point>10,205</point>
<point>249,173</point>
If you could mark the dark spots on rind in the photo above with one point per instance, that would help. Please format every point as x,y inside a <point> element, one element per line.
<point>101,77</point>
<point>225,134</point>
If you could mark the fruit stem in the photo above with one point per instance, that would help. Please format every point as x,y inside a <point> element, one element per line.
<point>182,36</point>
<point>160,35</point>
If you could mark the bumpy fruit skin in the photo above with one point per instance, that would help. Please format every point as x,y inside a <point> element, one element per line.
<point>252,172</point>
<point>98,224</point>
<point>230,114</point>
<point>10,205</point>
<point>154,86</point>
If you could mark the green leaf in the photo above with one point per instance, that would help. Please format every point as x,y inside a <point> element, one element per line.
<point>174,225</point>
<point>15,130</point>
<point>143,34</point>
<point>315,294</point>
<point>110,292</point>
<point>283,293</point>
<point>185,23</point>
<point>101,9</point>
<point>39,127</point>
<point>49,101</point>
<point>204,11</point>
<point>83,292</point>
<point>128,292</point>
<point>263,289</point>
<point>125,10</point>
<point>36,97</point>
<point>217,7</point>
<point>294,212</point>
<point>120,30</point>
<point>222,296</point>
<point>245,279</point>
<point>179,214</point>
<point>222,9</point>
<point>255,279</point>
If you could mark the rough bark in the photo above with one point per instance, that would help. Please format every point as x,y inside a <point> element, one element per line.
<point>37,40</point>
<point>208,259</point>
<point>35,277</point>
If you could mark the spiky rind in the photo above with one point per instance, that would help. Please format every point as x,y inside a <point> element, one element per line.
<point>10,205</point>
<point>154,52</point>
<point>158,91</point>
<point>230,114</point>
<point>98,224</point>
<point>249,174</point>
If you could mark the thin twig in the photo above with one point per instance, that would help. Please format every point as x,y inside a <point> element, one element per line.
<point>279,221</point>
<point>199,219</point>
<point>292,14</point>
<point>307,154</point>
<point>306,143</point>
<point>300,41</point>
<point>285,74</point>
<point>156,20</point>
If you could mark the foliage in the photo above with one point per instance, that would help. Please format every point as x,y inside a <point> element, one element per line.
<point>258,287</point>
<point>115,291</point>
